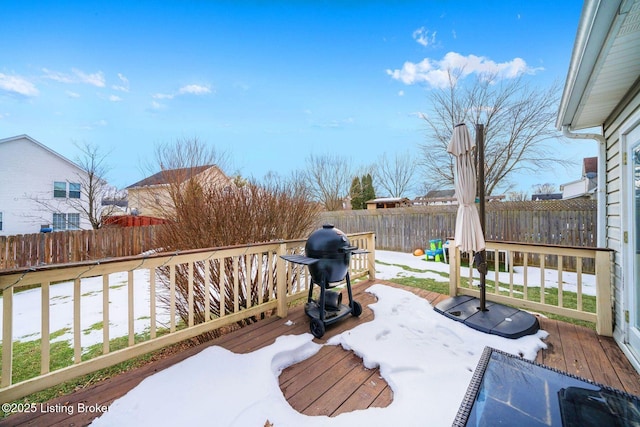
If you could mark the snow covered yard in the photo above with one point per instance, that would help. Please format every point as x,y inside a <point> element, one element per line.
<point>27,310</point>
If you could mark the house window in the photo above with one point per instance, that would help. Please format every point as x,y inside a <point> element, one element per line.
<point>59,221</point>
<point>60,189</point>
<point>66,221</point>
<point>74,190</point>
<point>73,221</point>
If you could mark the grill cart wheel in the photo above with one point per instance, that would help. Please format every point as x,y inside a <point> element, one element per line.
<point>357,309</point>
<point>317,327</point>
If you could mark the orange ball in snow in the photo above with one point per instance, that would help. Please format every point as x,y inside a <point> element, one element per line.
<point>418,252</point>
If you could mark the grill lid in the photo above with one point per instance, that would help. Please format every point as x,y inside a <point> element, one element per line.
<point>327,242</point>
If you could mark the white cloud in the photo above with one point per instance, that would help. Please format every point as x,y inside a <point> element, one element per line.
<point>162,96</point>
<point>57,76</point>
<point>72,94</point>
<point>336,123</point>
<point>95,79</point>
<point>17,85</point>
<point>184,90</point>
<point>194,90</point>
<point>157,106</point>
<point>400,93</point>
<point>124,84</point>
<point>99,123</point>
<point>435,73</point>
<point>114,98</point>
<point>78,76</point>
<point>421,36</point>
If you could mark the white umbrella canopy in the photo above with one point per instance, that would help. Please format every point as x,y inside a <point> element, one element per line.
<point>468,235</point>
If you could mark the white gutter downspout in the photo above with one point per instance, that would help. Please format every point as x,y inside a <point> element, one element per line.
<point>602,180</point>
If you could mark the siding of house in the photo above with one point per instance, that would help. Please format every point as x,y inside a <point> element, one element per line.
<point>574,189</point>
<point>28,171</point>
<point>614,191</point>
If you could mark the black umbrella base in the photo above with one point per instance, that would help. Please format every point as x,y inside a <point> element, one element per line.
<point>497,319</point>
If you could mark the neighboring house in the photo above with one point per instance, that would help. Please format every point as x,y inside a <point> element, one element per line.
<point>586,186</point>
<point>437,197</point>
<point>447,197</point>
<point>39,189</point>
<point>388,202</point>
<point>603,91</point>
<point>546,196</point>
<point>151,196</point>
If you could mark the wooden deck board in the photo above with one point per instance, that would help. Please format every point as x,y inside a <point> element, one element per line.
<point>573,355</point>
<point>368,394</point>
<point>334,381</point>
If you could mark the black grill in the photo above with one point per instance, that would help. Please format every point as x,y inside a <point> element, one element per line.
<point>327,255</point>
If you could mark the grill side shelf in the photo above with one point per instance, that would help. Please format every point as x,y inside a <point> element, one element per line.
<point>300,259</point>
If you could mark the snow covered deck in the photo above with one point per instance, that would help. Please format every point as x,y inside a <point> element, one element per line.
<point>334,381</point>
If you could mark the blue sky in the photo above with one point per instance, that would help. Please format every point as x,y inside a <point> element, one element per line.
<point>268,81</point>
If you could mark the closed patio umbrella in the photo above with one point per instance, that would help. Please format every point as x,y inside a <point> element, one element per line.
<point>499,320</point>
<point>468,235</point>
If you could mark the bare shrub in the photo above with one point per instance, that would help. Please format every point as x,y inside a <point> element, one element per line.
<point>211,216</point>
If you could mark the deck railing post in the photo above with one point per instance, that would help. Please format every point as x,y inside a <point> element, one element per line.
<point>7,336</point>
<point>371,256</point>
<point>604,324</point>
<point>281,281</point>
<point>454,270</point>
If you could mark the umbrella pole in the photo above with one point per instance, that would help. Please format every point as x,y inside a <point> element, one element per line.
<point>480,186</point>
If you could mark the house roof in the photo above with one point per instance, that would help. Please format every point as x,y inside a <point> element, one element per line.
<point>440,193</point>
<point>44,147</point>
<point>389,200</point>
<point>170,175</point>
<point>605,63</point>
<point>545,196</point>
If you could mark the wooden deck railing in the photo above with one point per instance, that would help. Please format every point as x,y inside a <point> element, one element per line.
<point>253,280</point>
<point>541,288</point>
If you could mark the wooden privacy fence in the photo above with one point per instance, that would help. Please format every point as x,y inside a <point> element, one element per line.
<point>554,222</point>
<point>60,247</point>
<point>184,294</point>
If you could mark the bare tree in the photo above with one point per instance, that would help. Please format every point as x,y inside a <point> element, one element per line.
<point>208,215</point>
<point>178,163</point>
<point>330,178</point>
<point>518,123</point>
<point>546,188</point>
<point>94,186</point>
<point>517,196</point>
<point>396,175</point>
